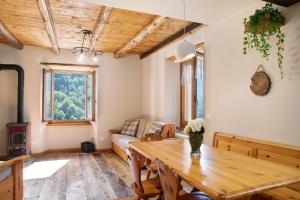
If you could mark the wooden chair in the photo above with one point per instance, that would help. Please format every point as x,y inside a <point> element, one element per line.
<point>171,185</point>
<point>151,165</point>
<point>143,189</point>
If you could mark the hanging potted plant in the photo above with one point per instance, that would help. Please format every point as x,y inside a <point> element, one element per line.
<point>265,22</point>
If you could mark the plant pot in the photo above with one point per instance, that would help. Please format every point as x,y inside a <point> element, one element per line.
<point>195,140</point>
<point>264,25</point>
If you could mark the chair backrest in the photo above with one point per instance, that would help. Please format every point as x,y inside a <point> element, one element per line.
<point>165,130</point>
<point>135,172</point>
<point>169,181</point>
<point>168,131</point>
<point>151,137</point>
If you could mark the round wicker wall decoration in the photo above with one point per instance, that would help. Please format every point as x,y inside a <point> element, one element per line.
<point>260,82</point>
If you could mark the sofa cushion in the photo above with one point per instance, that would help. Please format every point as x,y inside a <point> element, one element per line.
<point>122,140</point>
<point>142,126</point>
<point>130,127</point>
<point>153,127</point>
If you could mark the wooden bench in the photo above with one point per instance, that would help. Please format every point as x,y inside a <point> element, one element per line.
<point>273,152</point>
<point>11,188</point>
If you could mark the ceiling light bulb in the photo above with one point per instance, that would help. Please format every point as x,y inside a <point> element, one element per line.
<point>95,58</point>
<point>80,58</point>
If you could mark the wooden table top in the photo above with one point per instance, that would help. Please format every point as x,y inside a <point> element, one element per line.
<point>220,174</point>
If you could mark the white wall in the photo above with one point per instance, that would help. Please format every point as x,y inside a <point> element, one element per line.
<point>230,106</point>
<point>234,108</point>
<point>161,83</point>
<point>7,104</point>
<point>119,92</point>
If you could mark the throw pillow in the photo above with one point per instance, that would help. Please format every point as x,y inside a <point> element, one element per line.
<point>142,126</point>
<point>155,128</point>
<point>130,127</point>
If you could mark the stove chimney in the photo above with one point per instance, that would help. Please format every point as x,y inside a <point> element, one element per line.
<point>20,71</point>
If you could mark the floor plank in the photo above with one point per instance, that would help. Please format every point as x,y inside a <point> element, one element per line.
<point>116,183</point>
<point>85,177</point>
<point>75,185</point>
<point>58,190</point>
<point>33,187</point>
<point>91,176</point>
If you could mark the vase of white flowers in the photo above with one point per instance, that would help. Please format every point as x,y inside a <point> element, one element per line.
<point>195,130</point>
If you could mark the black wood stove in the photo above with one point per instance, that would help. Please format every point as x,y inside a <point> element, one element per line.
<point>18,135</point>
<point>18,139</point>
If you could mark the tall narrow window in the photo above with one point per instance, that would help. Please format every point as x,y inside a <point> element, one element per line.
<point>192,97</point>
<point>68,96</point>
<point>199,86</point>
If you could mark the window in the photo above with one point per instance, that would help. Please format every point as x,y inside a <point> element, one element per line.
<point>192,96</point>
<point>68,96</point>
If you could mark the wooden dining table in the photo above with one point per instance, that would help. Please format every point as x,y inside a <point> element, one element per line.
<point>220,174</point>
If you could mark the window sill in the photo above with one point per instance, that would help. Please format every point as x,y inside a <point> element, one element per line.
<point>84,123</point>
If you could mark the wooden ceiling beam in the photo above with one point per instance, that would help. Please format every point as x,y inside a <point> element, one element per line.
<point>157,21</point>
<point>99,27</point>
<point>12,40</point>
<point>285,3</point>
<point>189,28</point>
<point>47,19</point>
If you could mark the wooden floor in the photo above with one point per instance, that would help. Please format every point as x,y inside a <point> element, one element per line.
<point>84,176</point>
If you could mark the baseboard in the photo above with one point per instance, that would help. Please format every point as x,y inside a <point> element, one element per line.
<point>3,156</point>
<point>104,150</point>
<point>67,151</point>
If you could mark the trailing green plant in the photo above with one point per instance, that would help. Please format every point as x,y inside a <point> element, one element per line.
<point>265,23</point>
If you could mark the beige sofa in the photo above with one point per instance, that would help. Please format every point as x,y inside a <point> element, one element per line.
<point>120,142</point>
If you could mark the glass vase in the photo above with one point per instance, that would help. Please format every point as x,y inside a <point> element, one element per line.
<point>195,140</point>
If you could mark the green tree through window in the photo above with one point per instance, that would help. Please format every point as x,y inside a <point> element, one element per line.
<point>68,96</point>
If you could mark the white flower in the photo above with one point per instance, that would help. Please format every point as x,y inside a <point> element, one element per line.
<point>186,129</point>
<point>198,123</point>
<point>195,125</point>
<point>193,129</point>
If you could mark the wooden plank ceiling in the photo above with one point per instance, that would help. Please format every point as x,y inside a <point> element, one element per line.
<point>118,31</point>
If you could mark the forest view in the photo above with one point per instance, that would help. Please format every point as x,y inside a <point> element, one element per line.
<point>72,96</point>
<point>199,86</point>
<point>69,97</point>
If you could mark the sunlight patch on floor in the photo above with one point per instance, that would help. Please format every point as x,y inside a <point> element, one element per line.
<point>43,169</point>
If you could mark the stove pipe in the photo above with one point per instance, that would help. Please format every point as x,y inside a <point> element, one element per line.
<point>20,71</point>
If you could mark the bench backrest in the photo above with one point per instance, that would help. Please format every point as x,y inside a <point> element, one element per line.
<point>279,153</point>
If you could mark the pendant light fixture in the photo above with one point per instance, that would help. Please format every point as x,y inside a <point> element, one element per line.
<point>83,51</point>
<point>185,50</point>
